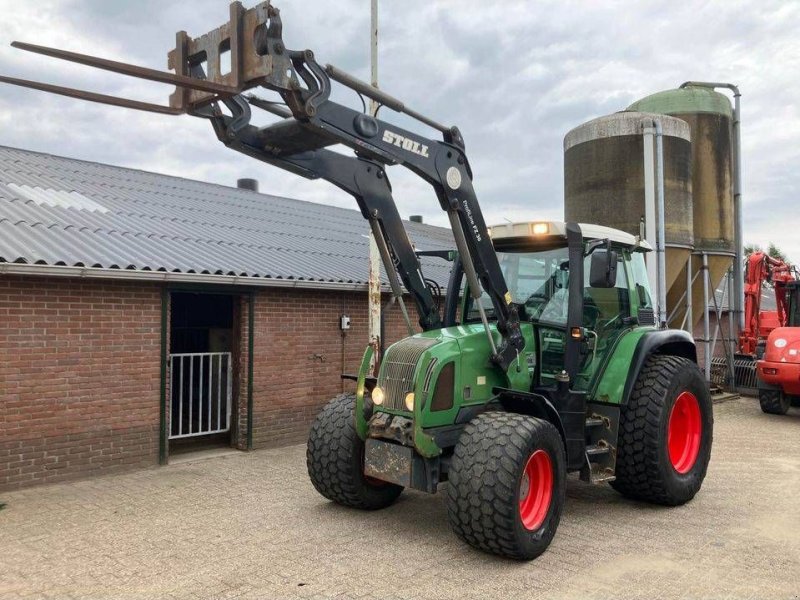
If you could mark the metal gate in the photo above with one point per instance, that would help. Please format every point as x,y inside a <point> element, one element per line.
<point>200,388</point>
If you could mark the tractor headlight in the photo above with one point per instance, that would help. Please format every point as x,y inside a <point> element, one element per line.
<point>541,228</point>
<point>410,401</point>
<point>377,396</point>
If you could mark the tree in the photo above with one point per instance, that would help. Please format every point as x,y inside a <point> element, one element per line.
<point>751,248</point>
<point>772,250</point>
<point>776,252</point>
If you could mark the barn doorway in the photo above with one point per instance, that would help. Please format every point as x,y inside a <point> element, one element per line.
<point>200,367</point>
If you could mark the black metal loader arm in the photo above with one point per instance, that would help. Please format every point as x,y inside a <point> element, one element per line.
<point>305,88</point>
<point>362,178</point>
<point>258,57</point>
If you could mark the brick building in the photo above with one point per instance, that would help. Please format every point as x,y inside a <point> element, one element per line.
<point>134,308</point>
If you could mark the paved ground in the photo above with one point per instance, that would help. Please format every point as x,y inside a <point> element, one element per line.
<point>251,526</point>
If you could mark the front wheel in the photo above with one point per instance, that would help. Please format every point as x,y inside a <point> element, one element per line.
<point>335,459</point>
<point>665,433</point>
<point>774,402</point>
<point>507,483</point>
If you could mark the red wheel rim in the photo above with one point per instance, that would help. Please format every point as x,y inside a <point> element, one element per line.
<point>684,430</point>
<point>536,490</point>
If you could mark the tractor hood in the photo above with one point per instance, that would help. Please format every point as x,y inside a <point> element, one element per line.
<point>456,355</point>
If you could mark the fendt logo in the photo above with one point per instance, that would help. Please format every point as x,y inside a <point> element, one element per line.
<point>405,143</point>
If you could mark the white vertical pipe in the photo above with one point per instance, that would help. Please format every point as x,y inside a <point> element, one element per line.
<point>374,298</point>
<point>180,397</point>
<point>229,392</point>
<point>191,390</point>
<point>660,210</point>
<point>654,214</point>
<point>706,324</point>
<point>650,205</point>
<point>219,391</point>
<point>689,315</point>
<point>738,283</point>
<point>374,281</point>
<point>208,393</point>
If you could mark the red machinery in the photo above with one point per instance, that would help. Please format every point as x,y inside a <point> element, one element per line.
<point>773,337</point>
<point>779,368</point>
<point>757,323</point>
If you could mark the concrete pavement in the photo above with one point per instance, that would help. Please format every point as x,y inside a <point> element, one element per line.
<point>251,526</point>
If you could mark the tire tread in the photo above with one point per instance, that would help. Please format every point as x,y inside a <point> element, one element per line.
<point>330,455</point>
<point>482,495</point>
<point>638,471</point>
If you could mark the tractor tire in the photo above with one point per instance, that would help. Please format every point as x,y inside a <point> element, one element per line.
<point>335,459</point>
<point>774,402</point>
<point>507,483</point>
<point>665,433</point>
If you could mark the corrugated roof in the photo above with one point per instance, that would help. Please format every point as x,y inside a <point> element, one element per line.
<point>61,211</point>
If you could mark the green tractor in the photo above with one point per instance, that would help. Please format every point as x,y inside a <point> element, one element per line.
<point>544,360</point>
<point>597,390</point>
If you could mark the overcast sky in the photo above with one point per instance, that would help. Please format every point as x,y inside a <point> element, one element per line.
<point>514,76</point>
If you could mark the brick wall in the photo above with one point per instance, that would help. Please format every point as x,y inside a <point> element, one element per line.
<point>300,354</point>
<point>79,378</point>
<point>80,371</point>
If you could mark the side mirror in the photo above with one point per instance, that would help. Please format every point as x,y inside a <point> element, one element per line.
<point>603,271</point>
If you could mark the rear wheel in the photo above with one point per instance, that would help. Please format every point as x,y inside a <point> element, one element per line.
<point>335,459</point>
<point>774,402</point>
<point>665,433</point>
<point>507,484</point>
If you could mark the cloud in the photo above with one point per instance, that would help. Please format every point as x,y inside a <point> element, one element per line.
<point>515,76</point>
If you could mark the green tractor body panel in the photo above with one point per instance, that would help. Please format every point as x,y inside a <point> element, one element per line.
<point>460,352</point>
<point>466,348</point>
<point>611,383</point>
<point>363,372</point>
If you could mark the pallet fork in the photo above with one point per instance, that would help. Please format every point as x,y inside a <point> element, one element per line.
<point>310,123</point>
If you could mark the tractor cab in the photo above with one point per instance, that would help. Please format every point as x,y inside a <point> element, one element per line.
<point>793,292</point>
<point>614,290</point>
<point>779,368</point>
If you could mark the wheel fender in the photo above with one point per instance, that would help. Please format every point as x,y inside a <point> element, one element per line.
<point>672,342</point>
<point>533,405</point>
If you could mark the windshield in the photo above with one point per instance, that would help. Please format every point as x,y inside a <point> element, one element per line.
<point>537,282</point>
<point>539,285</point>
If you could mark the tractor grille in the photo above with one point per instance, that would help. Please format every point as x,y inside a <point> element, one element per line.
<point>396,377</point>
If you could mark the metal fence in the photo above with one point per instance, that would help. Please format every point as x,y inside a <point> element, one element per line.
<point>200,388</point>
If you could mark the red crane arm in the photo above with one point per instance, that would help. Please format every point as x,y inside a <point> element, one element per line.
<point>760,268</point>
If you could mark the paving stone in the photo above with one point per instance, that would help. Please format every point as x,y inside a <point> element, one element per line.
<point>251,526</point>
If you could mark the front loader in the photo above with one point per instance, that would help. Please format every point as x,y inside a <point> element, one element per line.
<point>544,360</point>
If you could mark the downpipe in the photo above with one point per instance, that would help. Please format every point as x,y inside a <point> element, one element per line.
<point>654,213</point>
<point>661,236</point>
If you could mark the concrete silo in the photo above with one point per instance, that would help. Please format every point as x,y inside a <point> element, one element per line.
<point>605,182</point>
<point>709,116</point>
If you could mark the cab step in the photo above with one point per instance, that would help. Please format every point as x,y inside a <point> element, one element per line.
<point>600,449</point>
<point>600,452</point>
<point>594,421</point>
<point>600,474</point>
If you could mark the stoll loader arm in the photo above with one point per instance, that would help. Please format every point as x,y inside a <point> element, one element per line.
<point>364,179</point>
<point>298,143</point>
